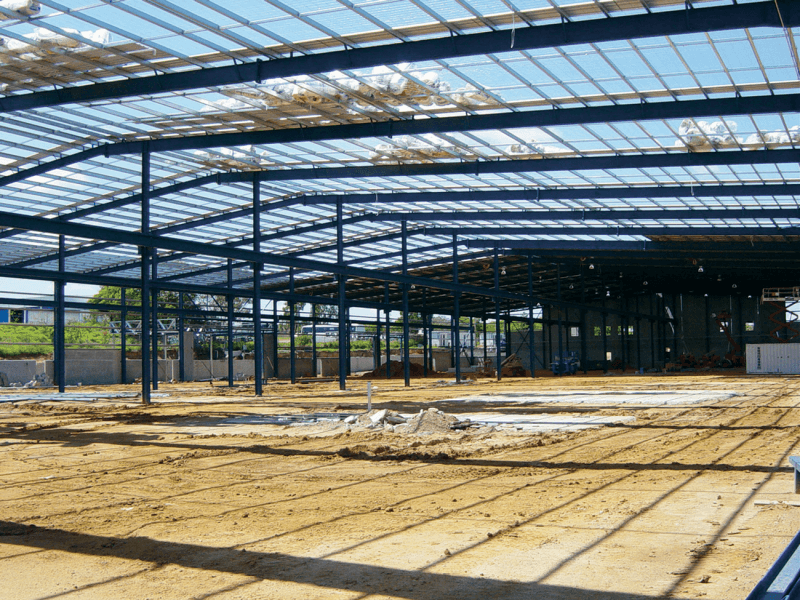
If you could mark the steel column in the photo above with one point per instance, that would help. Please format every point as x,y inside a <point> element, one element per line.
<point>344,336</point>
<point>181,342</point>
<point>406,337</point>
<point>456,313</point>
<point>60,329</point>
<point>560,333</point>
<point>154,305</point>
<point>230,298</point>
<point>123,342</point>
<point>499,356</point>
<point>388,332</point>
<point>258,342</point>
<point>145,252</point>
<point>314,369</point>
<point>292,344</point>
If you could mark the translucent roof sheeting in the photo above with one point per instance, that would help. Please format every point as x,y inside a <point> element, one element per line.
<point>656,117</point>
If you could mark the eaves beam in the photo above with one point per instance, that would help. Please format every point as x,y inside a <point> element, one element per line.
<point>786,249</point>
<point>642,111</point>
<point>606,214</point>
<point>621,230</point>
<point>673,22</point>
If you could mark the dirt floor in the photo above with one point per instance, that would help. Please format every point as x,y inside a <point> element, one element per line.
<point>198,496</point>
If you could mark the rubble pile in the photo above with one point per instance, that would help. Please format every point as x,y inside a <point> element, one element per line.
<point>426,422</point>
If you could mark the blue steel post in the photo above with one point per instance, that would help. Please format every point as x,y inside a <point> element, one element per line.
<point>314,370</point>
<point>652,337</point>
<point>344,335</point>
<point>145,252</point>
<point>230,324</point>
<point>292,365</point>
<point>406,337</point>
<point>471,342</point>
<point>181,342</point>
<point>377,338</point>
<point>560,322</point>
<point>584,333</point>
<point>604,325</point>
<point>456,313</point>
<point>60,330</point>
<point>425,332</point>
<point>258,343</point>
<point>388,332</point>
<point>498,357</point>
<point>531,346</point>
<point>123,340</point>
<point>154,308</point>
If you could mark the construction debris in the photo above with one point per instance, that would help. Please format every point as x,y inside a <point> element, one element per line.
<point>426,422</point>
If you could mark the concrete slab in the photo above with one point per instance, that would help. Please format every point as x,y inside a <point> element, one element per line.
<point>541,423</point>
<point>656,397</point>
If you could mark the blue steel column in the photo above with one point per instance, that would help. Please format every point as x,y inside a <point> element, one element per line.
<point>498,355</point>
<point>344,335</point>
<point>560,323</point>
<point>258,343</point>
<point>314,340</point>
<point>456,312</point>
<point>275,329</point>
<point>181,343</point>
<point>154,308</point>
<point>425,332</point>
<point>604,325</point>
<point>145,252</point>
<point>388,332</point>
<point>406,353</point>
<point>230,324</point>
<point>584,333</point>
<point>531,348</point>
<point>123,341</point>
<point>292,345</point>
<point>60,329</point>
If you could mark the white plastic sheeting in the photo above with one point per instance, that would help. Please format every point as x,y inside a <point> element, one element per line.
<point>26,8</point>
<point>401,85</point>
<point>409,148</point>
<point>704,136</point>
<point>230,158</point>
<point>43,42</point>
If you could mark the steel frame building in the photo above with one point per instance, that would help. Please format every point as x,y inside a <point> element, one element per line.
<point>474,158</point>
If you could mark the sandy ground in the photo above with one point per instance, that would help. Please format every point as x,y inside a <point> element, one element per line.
<point>110,499</point>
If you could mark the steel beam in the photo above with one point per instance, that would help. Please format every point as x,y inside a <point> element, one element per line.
<point>789,247</point>
<point>621,230</point>
<point>509,120</point>
<point>590,31</point>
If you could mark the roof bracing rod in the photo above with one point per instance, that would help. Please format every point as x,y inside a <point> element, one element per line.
<point>674,22</point>
<point>716,107</point>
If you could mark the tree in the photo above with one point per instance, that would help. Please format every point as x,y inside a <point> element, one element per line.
<point>133,300</point>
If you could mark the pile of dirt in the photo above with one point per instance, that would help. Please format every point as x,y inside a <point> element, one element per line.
<point>428,422</point>
<point>416,370</point>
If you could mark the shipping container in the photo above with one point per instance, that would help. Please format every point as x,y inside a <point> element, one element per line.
<point>773,358</point>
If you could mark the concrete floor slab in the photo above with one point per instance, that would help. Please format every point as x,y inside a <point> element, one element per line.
<point>656,397</point>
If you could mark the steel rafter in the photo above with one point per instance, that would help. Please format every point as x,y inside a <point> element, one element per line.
<point>716,107</point>
<point>674,22</point>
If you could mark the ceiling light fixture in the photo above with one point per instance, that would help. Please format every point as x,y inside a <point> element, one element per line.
<point>700,269</point>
